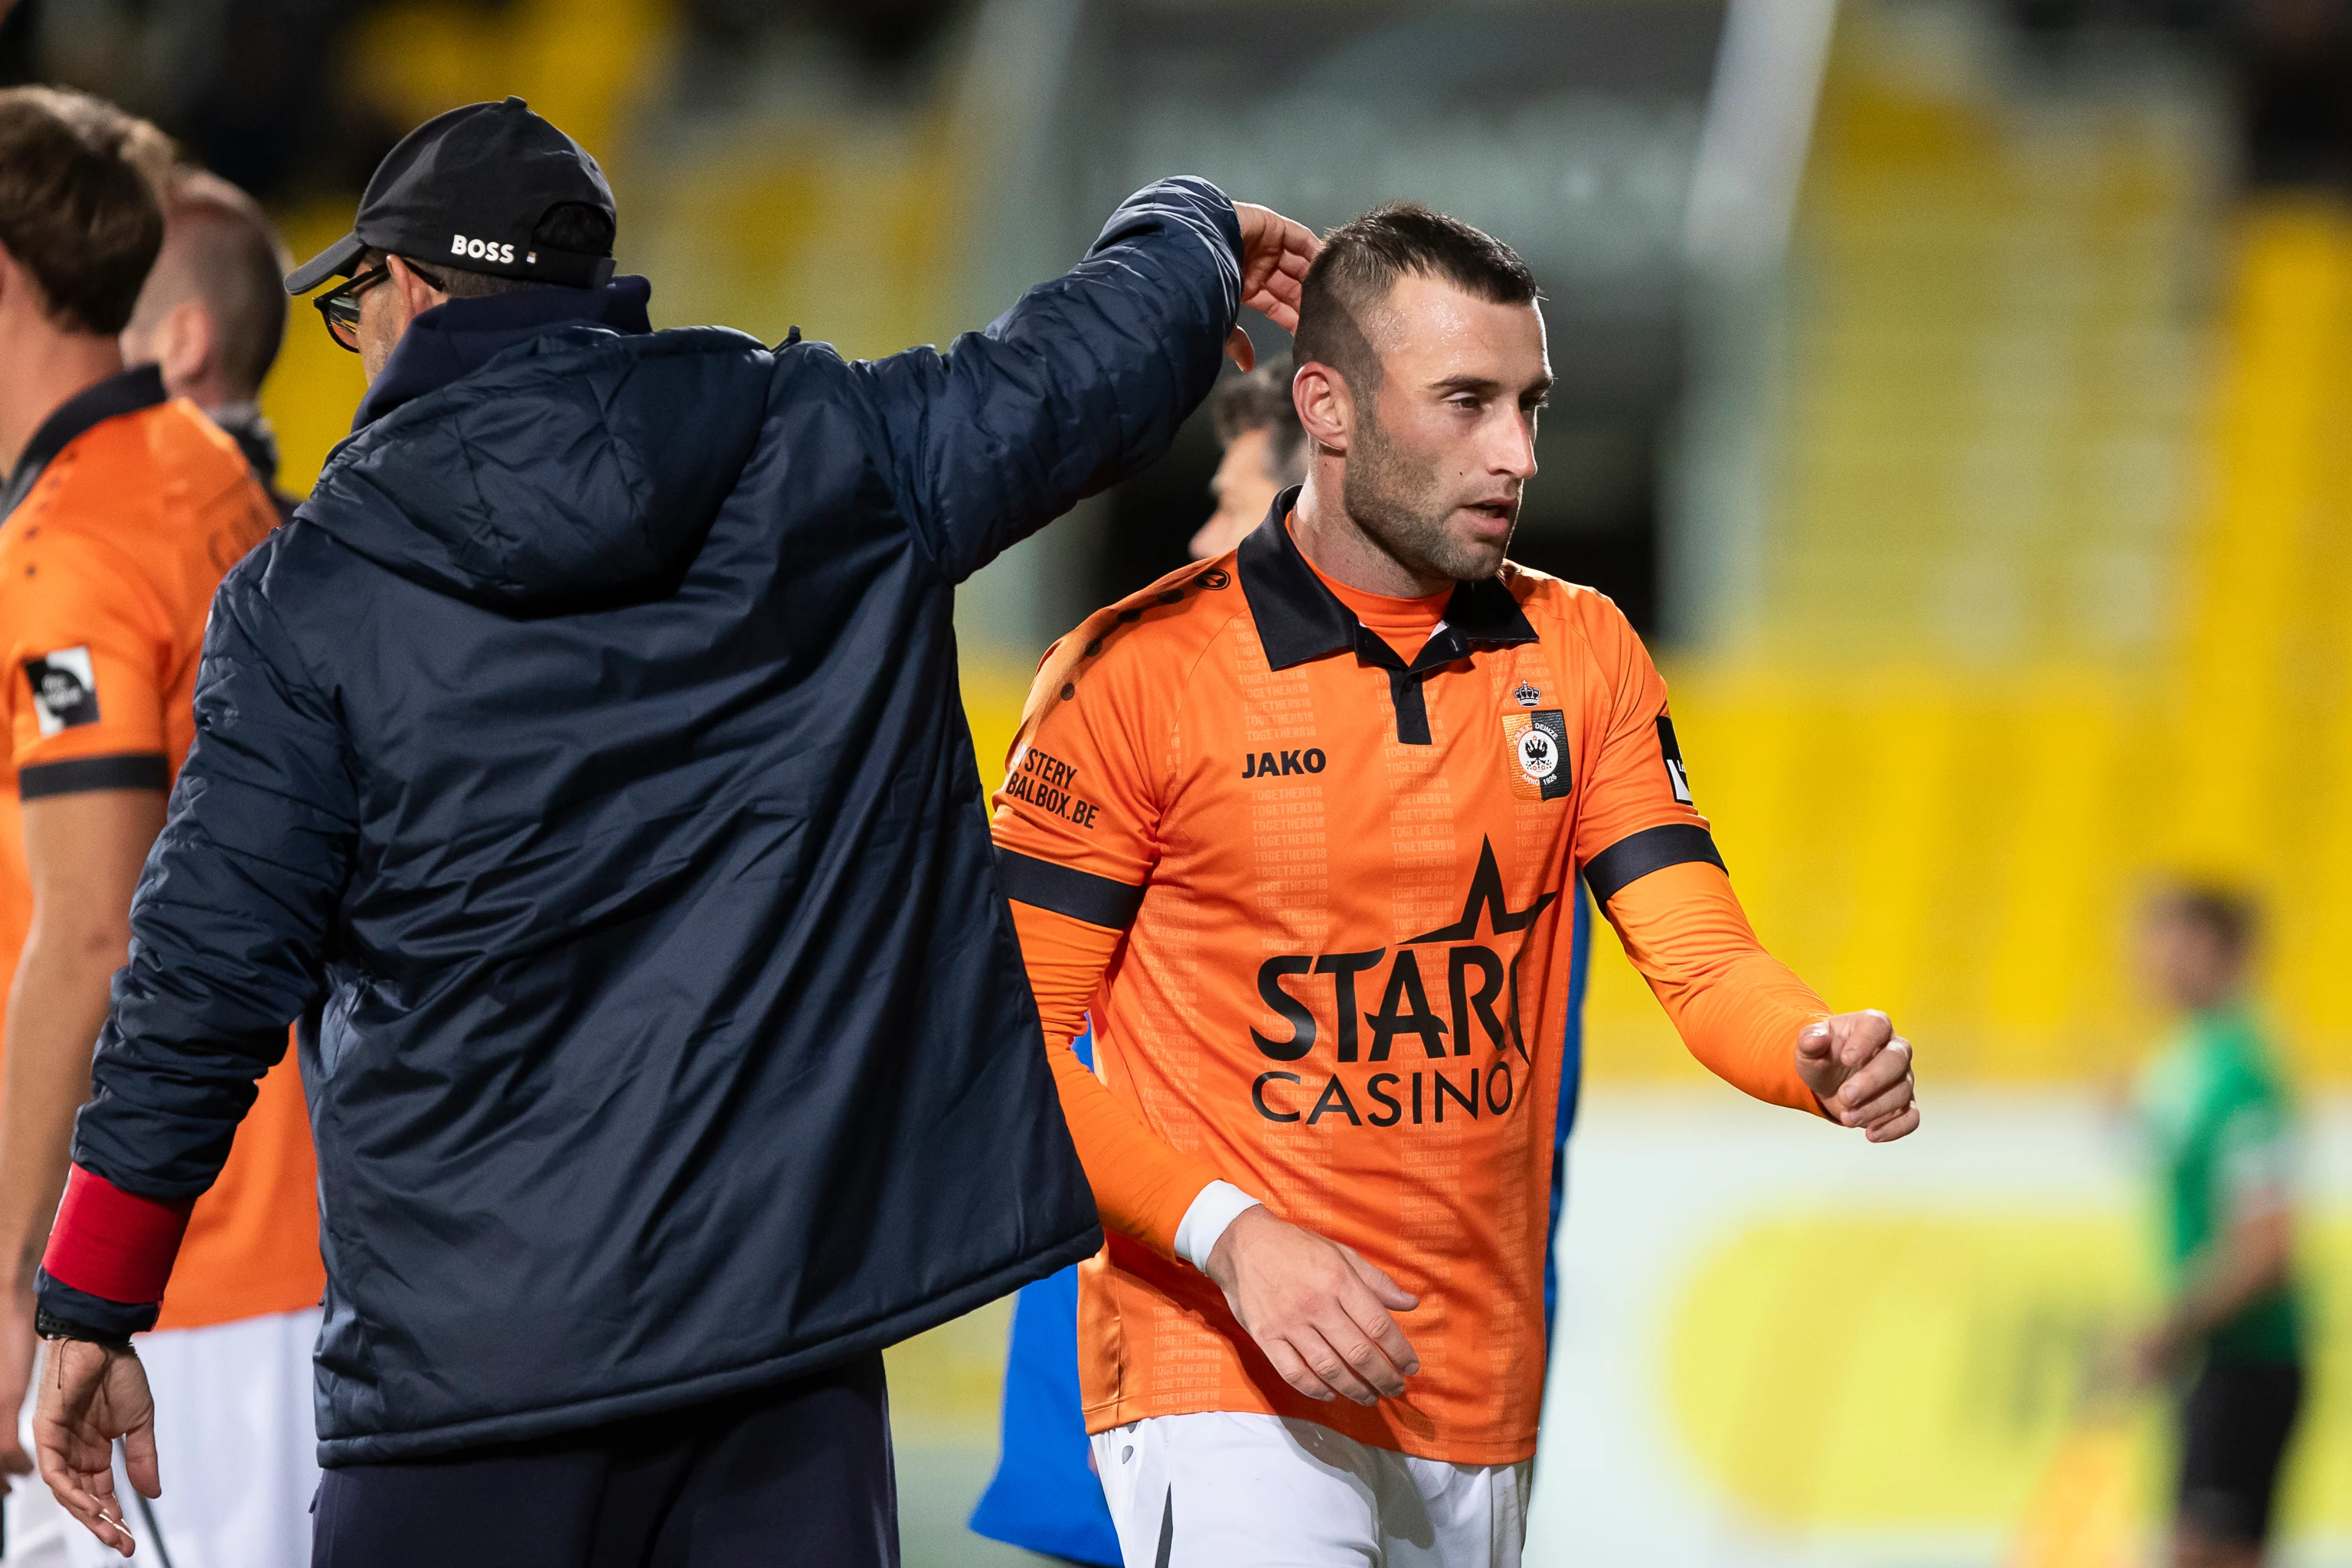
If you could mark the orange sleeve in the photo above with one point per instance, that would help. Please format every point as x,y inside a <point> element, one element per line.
<point>88,654</point>
<point>1736,1006</point>
<point>1635,812</point>
<point>1142,1187</point>
<point>1076,825</point>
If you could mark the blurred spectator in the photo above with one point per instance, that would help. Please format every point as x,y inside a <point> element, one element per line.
<point>2296,87</point>
<point>2215,1106</point>
<point>2293,59</point>
<point>254,88</point>
<point>1265,454</point>
<point>880,33</point>
<point>214,312</point>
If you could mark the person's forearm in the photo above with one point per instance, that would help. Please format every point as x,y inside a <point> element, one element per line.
<point>1142,1186</point>
<point>55,1012</point>
<point>1737,1009</point>
<point>2250,1262</point>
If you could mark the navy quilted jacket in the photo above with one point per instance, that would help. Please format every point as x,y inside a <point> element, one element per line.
<point>583,768</point>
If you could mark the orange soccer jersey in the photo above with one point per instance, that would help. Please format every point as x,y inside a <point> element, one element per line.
<point>128,509</point>
<point>1314,893</point>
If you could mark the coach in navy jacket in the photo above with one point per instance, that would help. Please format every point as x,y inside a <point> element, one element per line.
<point>583,768</point>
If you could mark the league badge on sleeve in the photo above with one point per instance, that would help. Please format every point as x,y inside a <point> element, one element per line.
<point>65,689</point>
<point>1676,775</point>
<point>1538,749</point>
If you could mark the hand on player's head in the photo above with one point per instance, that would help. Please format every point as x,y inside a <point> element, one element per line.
<point>1275,255</point>
<point>1317,1308</point>
<point>1860,1069</point>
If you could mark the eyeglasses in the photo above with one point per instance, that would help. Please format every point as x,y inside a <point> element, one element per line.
<point>340,308</point>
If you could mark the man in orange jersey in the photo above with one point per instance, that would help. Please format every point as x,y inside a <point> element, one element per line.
<point>122,509</point>
<point>1299,824</point>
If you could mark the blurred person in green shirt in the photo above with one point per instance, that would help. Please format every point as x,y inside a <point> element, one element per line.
<point>2220,1127</point>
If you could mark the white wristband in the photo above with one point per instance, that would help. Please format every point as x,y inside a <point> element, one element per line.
<point>1218,1206</point>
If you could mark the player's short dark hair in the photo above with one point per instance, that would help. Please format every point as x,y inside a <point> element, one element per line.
<point>78,205</point>
<point>220,249</point>
<point>1259,399</point>
<point>574,227</point>
<point>2227,915</point>
<point>1363,260</point>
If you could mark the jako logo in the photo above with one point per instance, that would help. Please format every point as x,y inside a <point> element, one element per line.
<point>481,249</point>
<point>1267,764</point>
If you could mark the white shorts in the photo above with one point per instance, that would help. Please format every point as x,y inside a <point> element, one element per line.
<point>1217,1490</point>
<point>236,1440</point>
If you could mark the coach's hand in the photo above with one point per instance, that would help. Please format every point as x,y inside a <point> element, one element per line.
<point>90,1397</point>
<point>1275,254</point>
<point>1317,1308</point>
<point>1860,1069</point>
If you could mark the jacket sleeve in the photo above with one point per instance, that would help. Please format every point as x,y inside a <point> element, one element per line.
<point>1080,384</point>
<point>227,933</point>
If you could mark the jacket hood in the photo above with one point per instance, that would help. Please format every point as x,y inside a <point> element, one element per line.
<point>578,468</point>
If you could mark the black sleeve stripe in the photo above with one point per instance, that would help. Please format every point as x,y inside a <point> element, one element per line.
<point>1637,855</point>
<point>127,770</point>
<point>1067,891</point>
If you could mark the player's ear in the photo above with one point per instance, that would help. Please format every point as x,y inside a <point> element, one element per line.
<point>1325,406</point>
<point>184,342</point>
<point>14,279</point>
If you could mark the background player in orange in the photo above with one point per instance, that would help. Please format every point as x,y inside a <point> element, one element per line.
<point>1265,453</point>
<point>122,509</point>
<point>1300,830</point>
<point>213,311</point>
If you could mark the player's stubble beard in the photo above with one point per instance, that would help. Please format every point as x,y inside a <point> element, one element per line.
<point>1398,498</point>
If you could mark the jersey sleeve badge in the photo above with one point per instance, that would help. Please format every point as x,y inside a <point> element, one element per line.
<point>1676,775</point>
<point>1538,749</point>
<point>65,689</point>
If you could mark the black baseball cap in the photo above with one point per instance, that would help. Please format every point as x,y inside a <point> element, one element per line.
<point>469,188</point>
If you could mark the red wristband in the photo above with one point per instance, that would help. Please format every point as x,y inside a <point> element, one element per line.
<point>114,1245</point>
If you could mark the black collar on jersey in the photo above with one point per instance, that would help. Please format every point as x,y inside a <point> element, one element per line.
<point>127,393</point>
<point>1299,619</point>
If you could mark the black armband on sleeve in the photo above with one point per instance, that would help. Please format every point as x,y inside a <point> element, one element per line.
<point>1637,855</point>
<point>1067,891</point>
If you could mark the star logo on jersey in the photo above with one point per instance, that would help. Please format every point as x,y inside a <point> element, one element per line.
<point>1448,990</point>
<point>1487,898</point>
<point>1538,744</point>
<point>1527,694</point>
<point>65,689</point>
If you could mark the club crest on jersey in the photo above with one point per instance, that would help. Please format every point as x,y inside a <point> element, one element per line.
<point>65,689</point>
<point>1527,694</point>
<point>1539,752</point>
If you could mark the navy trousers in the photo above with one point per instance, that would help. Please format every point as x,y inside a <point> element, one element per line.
<point>796,1474</point>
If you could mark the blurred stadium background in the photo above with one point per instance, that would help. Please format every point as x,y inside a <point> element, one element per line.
<point>1959,394</point>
